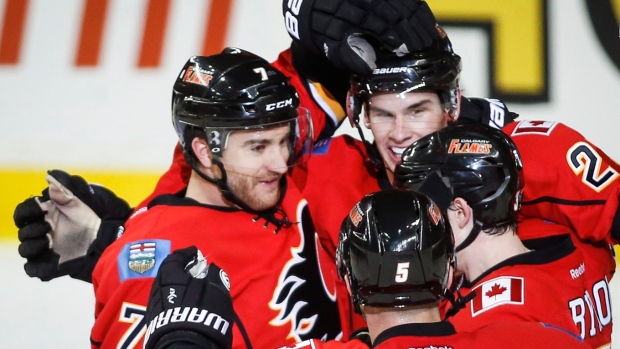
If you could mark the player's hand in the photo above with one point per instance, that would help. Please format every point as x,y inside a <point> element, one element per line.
<point>190,303</point>
<point>58,227</point>
<point>332,27</point>
<point>492,112</point>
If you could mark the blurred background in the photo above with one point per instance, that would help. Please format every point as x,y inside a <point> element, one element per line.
<point>86,86</point>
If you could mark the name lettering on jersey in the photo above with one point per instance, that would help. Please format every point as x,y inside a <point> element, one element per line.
<point>575,273</point>
<point>432,347</point>
<point>278,105</point>
<point>356,215</point>
<point>542,128</point>
<point>201,77</point>
<point>469,146</point>
<point>395,70</point>
<point>188,314</point>
<point>496,292</point>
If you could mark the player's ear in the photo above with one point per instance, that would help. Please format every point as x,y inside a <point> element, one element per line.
<point>461,212</point>
<point>202,152</point>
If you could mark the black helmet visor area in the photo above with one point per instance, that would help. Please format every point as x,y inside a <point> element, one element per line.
<point>276,145</point>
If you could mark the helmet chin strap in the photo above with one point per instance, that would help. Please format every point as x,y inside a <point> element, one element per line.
<point>371,150</point>
<point>473,234</point>
<point>274,215</point>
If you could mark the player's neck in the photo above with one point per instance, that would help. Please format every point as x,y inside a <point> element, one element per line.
<point>487,251</point>
<point>205,192</point>
<point>379,319</point>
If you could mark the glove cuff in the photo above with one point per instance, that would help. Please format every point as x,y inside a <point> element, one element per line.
<point>490,112</point>
<point>82,268</point>
<point>183,340</point>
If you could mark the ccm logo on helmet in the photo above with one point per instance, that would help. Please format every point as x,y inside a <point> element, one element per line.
<point>278,105</point>
<point>389,70</point>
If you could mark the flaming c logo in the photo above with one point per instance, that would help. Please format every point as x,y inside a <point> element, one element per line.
<point>301,298</point>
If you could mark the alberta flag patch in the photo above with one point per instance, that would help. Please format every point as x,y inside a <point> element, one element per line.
<point>495,292</point>
<point>142,258</point>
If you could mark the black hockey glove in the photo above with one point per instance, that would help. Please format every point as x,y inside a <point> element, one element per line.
<point>492,112</point>
<point>338,28</point>
<point>61,232</point>
<point>190,303</point>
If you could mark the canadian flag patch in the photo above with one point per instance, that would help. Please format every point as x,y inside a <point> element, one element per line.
<point>495,292</point>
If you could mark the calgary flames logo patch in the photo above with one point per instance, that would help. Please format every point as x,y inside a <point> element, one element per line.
<point>469,146</point>
<point>197,77</point>
<point>435,214</point>
<point>356,215</point>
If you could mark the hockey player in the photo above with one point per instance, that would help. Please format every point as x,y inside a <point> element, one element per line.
<point>396,254</point>
<point>337,188</point>
<point>93,215</point>
<point>474,173</point>
<point>241,128</point>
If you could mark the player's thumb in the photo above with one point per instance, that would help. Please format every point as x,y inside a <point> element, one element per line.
<point>59,194</point>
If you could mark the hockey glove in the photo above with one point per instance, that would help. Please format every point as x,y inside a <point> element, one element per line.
<point>61,232</point>
<point>190,303</point>
<point>492,112</point>
<point>335,27</point>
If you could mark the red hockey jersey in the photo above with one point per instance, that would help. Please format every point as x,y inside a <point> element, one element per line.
<point>442,335</point>
<point>528,287</point>
<point>282,284</point>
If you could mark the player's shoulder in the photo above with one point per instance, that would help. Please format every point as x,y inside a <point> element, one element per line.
<point>531,335</point>
<point>524,128</point>
<point>340,144</point>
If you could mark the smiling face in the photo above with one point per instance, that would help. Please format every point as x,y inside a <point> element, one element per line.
<point>398,120</point>
<point>255,161</point>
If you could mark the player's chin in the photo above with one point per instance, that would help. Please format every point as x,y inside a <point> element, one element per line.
<point>265,199</point>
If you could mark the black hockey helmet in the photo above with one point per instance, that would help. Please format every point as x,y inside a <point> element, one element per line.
<point>476,162</point>
<point>396,248</point>
<point>436,68</point>
<point>236,90</point>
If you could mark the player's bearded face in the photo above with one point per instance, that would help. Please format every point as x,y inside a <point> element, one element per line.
<point>255,161</point>
<point>398,120</point>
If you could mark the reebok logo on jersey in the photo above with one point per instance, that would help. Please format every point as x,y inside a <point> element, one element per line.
<point>188,314</point>
<point>432,347</point>
<point>496,292</point>
<point>575,273</point>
